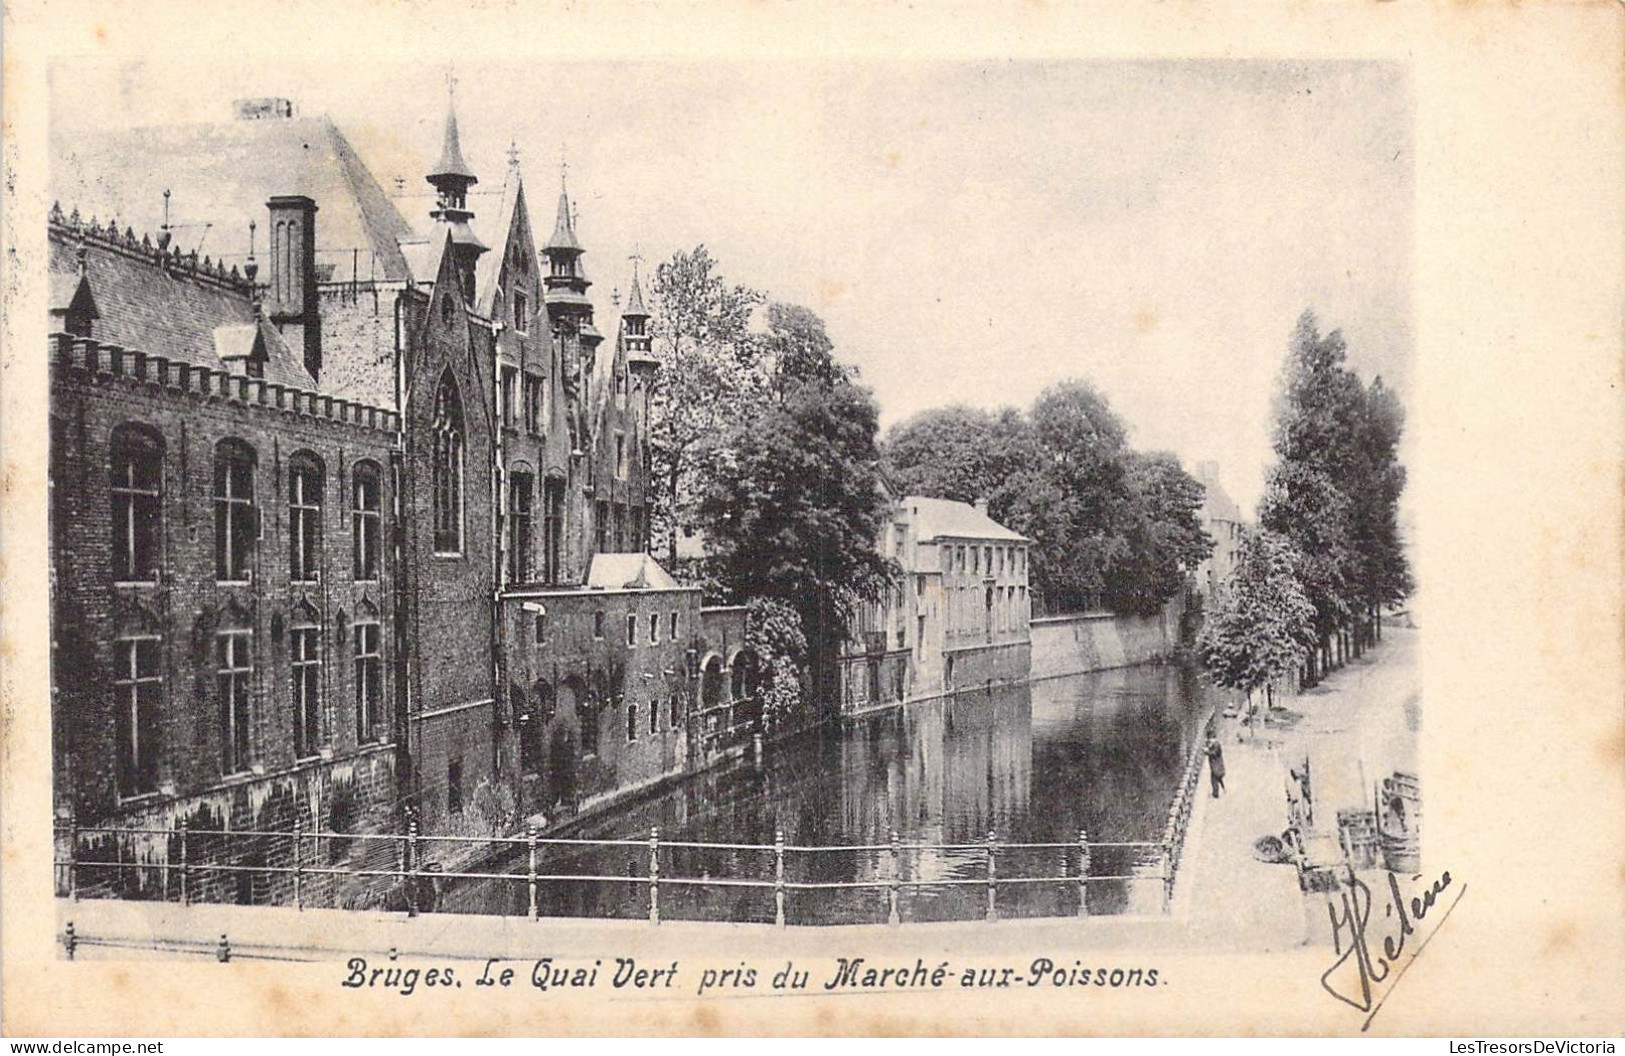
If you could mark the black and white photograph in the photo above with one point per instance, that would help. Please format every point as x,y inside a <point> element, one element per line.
<point>699,529</point>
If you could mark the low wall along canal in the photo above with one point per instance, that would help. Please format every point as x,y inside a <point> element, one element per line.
<point>887,818</point>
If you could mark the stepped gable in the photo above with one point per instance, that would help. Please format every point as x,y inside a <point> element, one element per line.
<point>164,303</point>
<point>223,173</point>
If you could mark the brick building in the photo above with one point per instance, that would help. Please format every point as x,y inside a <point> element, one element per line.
<point>337,521</point>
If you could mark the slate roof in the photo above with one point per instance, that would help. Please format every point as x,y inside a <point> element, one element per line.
<point>944,518</point>
<point>170,313</point>
<point>223,174</point>
<point>489,267</point>
<point>629,572</point>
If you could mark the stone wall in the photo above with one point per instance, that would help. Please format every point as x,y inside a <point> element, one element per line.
<point>1071,645</point>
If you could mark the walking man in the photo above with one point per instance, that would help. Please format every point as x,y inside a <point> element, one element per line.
<point>1215,765</point>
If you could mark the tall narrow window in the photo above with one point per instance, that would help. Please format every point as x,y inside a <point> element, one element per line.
<point>137,689</point>
<point>369,684</point>
<point>553,530</point>
<point>654,717</point>
<point>620,456</point>
<point>631,629</point>
<point>306,643</point>
<point>448,468</point>
<point>366,507</point>
<point>520,493</point>
<point>234,515</point>
<point>233,673</point>
<point>510,395</point>
<point>304,519</point>
<point>654,627</point>
<point>534,390</point>
<point>454,787</point>
<point>589,727</point>
<point>673,634</point>
<point>521,311</point>
<point>137,487</point>
<point>601,515</point>
<point>631,721</point>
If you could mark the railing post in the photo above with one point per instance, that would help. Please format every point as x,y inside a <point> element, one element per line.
<point>1084,864</point>
<point>893,916</point>
<point>654,875</point>
<point>778,877</point>
<point>412,866</point>
<point>530,836</point>
<point>73,856</point>
<point>70,941</point>
<point>1167,878</point>
<point>186,868</point>
<point>222,952</point>
<point>992,880</point>
<point>298,864</point>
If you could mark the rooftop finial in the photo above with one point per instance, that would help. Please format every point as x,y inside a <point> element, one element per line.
<point>564,171</point>
<point>250,267</point>
<point>513,154</point>
<point>163,229</point>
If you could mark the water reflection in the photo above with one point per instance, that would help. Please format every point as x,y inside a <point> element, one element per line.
<point>1032,764</point>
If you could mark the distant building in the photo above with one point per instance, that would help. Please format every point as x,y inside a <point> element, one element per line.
<point>959,619</point>
<point>1221,518</point>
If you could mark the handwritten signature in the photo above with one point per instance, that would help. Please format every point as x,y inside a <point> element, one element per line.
<point>1351,915</point>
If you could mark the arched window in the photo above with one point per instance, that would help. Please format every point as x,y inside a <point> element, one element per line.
<point>235,519</point>
<point>366,506</point>
<point>137,487</point>
<point>711,686</point>
<point>448,468</point>
<point>305,639</point>
<point>305,480</point>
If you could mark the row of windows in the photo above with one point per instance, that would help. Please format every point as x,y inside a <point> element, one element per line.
<point>532,729</point>
<point>138,691</point>
<point>995,559</point>
<point>137,488</point>
<point>528,399</point>
<point>598,620</point>
<point>521,521</point>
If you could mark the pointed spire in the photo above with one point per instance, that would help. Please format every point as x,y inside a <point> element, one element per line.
<point>451,161</point>
<point>564,228</point>
<point>634,300</point>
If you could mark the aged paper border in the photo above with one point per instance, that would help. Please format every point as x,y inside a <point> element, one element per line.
<point>1520,136</point>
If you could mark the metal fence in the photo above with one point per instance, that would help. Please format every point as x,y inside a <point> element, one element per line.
<point>211,865</point>
<point>414,873</point>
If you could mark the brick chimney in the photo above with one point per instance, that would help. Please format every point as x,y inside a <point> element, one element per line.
<point>293,306</point>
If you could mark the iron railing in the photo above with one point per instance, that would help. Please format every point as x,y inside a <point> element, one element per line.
<point>407,863</point>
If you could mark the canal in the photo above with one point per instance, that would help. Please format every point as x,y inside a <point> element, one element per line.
<point>1100,752</point>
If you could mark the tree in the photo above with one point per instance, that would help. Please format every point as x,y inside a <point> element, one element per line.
<point>1307,495</point>
<point>795,505</point>
<point>962,453</point>
<point>710,368</point>
<point>1334,490</point>
<point>1261,627</point>
<point>1164,535</point>
<point>1085,496</point>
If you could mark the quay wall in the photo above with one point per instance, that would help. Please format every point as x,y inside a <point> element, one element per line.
<point>1083,642</point>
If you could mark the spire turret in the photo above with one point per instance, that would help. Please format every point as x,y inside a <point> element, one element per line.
<point>451,180</point>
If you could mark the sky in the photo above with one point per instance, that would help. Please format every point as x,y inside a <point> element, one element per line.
<point>970,232</point>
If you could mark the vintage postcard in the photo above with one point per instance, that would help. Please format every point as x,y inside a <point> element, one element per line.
<point>813,519</point>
